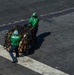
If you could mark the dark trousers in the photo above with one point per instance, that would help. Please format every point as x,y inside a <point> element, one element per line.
<point>36,30</point>
<point>11,51</point>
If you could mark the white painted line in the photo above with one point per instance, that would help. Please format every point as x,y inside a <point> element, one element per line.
<point>42,15</point>
<point>23,20</point>
<point>16,22</point>
<point>2,25</point>
<point>57,12</point>
<point>33,64</point>
<point>9,23</point>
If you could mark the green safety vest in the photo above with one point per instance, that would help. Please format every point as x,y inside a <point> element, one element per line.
<point>34,21</point>
<point>15,40</point>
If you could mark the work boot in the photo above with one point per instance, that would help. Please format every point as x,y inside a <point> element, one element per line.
<point>15,60</point>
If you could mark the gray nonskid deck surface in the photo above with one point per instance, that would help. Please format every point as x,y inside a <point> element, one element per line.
<point>55,35</point>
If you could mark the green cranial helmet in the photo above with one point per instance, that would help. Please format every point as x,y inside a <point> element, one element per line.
<point>34,14</point>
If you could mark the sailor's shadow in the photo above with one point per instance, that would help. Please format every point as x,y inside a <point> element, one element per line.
<point>40,40</point>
